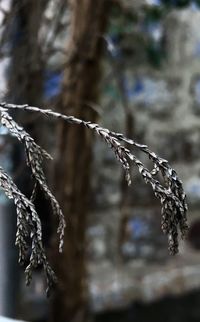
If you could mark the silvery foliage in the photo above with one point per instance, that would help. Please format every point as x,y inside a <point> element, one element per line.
<point>168,189</point>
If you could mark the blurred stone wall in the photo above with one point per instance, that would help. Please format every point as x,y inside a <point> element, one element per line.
<point>166,111</point>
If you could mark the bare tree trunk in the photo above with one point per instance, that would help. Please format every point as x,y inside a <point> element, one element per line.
<point>81,86</point>
<point>118,69</point>
<point>25,85</point>
<point>26,76</point>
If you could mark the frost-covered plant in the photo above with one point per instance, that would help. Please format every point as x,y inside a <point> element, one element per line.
<point>168,190</point>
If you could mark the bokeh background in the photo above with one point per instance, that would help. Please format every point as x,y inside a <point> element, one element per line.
<point>133,66</point>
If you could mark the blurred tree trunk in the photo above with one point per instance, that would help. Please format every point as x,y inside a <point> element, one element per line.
<point>74,155</point>
<point>25,85</point>
<point>119,73</point>
<point>26,72</point>
<point>26,77</point>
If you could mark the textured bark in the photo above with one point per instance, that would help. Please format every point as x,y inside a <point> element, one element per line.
<point>74,156</point>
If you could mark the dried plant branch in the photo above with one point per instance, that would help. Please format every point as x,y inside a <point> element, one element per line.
<point>35,155</point>
<point>28,229</point>
<point>169,190</point>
